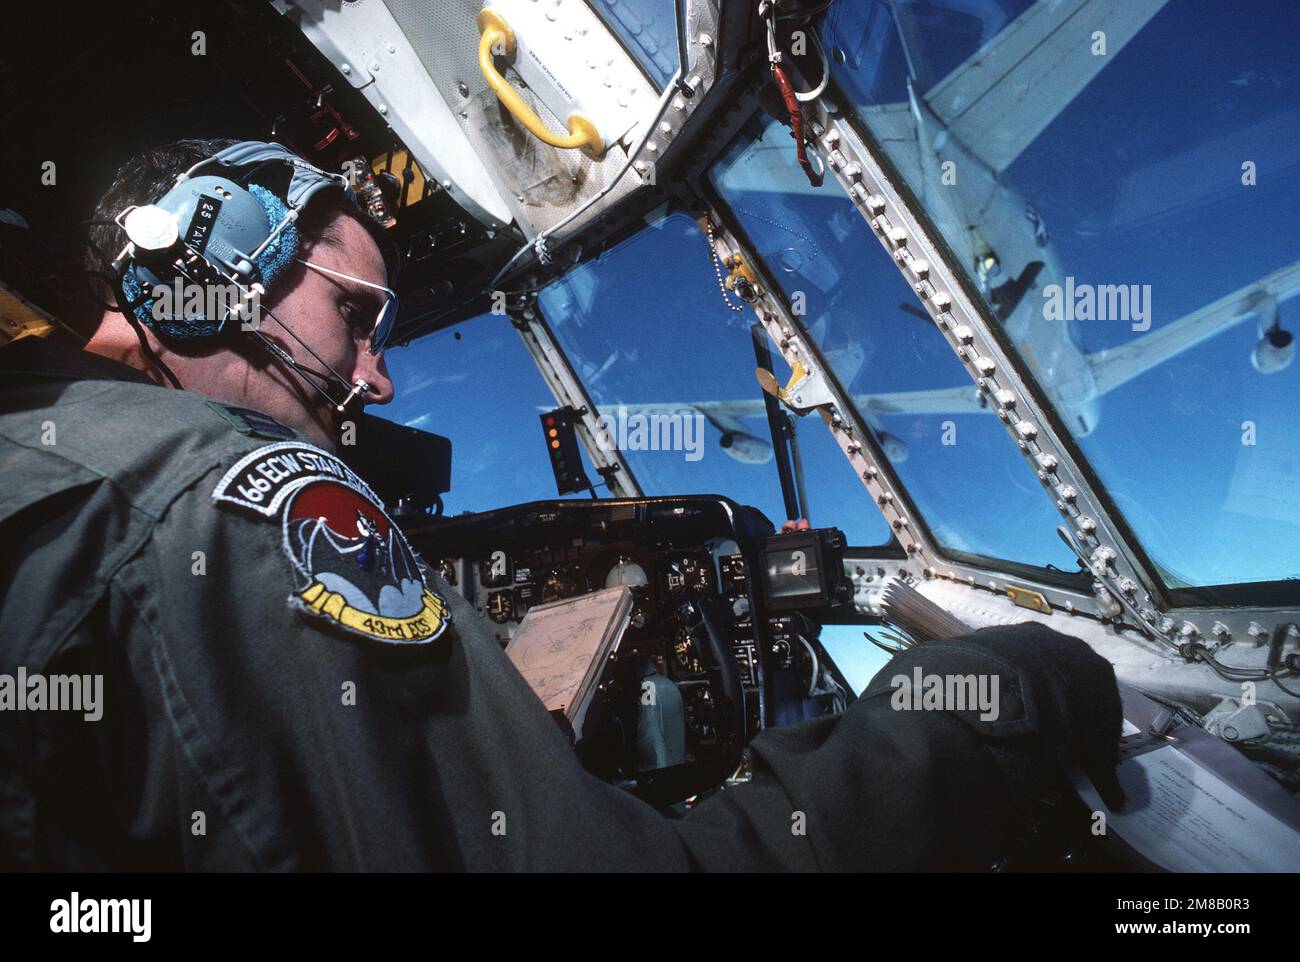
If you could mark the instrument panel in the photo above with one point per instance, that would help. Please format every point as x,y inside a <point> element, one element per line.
<point>690,564</point>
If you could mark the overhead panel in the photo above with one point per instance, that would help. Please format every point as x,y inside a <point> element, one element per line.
<point>419,64</point>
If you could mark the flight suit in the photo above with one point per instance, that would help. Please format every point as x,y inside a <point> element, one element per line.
<point>254,716</point>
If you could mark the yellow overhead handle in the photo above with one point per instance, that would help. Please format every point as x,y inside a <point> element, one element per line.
<point>582,132</point>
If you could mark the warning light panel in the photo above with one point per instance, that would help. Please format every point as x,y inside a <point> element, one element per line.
<point>562,446</point>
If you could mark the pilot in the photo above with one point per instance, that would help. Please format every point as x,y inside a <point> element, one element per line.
<point>177,526</point>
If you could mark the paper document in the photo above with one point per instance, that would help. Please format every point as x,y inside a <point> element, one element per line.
<point>1185,818</point>
<point>561,647</point>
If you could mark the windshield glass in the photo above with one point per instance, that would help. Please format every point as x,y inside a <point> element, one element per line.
<point>450,383</point>
<point>671,369</point>
<point>1121,185</point>
<point>961,469</point>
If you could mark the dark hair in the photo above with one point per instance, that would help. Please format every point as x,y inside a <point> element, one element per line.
<point>147,176</point>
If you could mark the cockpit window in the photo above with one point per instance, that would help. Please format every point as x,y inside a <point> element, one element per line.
<point>954,458</point>
<point>648,28</point>
<point>1122,190</point>
<point>476,383</point>
<point>671,369</point>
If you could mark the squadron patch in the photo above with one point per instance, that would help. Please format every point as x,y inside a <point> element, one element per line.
<point>356,570</point>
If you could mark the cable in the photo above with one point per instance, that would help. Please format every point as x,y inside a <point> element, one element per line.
<point>126,307</point>
<point>541,239</point>
<point>1277,681</point>
<point>805,14</point>
<point>816,665</point>
<point>806,96</point>
<point>149,352</point>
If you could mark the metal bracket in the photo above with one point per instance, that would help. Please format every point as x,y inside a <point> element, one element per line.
<point>806,391</point>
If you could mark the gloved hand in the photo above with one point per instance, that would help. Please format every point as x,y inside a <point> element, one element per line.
<point>1058,701</point>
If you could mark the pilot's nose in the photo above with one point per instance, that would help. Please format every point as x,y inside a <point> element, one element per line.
<point>373,369</point>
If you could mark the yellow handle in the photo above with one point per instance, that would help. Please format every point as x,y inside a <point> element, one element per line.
<point>582,132</point>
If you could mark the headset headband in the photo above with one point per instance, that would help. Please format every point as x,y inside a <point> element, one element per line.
<point>305,182</point>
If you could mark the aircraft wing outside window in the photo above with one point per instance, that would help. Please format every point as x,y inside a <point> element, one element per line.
<point>1007,93</point>
<point>947,400</point>
<point>1115,366</point>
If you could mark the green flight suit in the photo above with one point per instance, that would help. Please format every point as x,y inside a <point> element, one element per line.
<point>246,726</point>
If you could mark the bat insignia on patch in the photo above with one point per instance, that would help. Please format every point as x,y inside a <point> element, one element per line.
<point>355,568</point>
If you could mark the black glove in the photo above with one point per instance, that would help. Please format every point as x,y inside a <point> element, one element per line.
<point>1057,701</point>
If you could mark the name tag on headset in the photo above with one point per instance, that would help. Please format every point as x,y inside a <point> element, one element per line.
<point>198,233</point>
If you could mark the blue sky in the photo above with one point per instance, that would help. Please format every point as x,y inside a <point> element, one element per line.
<point>1138,181</point>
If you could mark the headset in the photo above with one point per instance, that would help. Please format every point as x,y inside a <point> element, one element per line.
<point>224,227</point>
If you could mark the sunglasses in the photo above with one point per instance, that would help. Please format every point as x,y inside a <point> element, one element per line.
<point>383,326</point>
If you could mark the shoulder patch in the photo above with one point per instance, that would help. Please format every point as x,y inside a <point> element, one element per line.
<point>255,424</point>
<point>356,570</point>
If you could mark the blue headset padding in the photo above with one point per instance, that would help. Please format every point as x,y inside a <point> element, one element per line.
<point>306,180</point>
<point>243,223</point>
